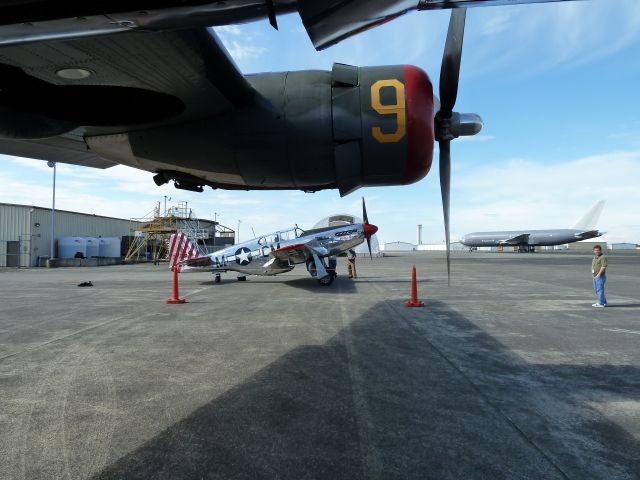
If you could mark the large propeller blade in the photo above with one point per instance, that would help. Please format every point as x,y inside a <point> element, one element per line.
<point>450,68</point>
<point>445,186</point>
<point>365,218</point>
<point>449,124</point>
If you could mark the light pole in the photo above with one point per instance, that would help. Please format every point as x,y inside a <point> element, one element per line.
<point>238,231</point>
<point>165,204</point>
<point>51,164</point>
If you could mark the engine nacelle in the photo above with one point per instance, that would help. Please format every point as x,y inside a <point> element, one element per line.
<point>383,129</point>
<point>307,130</point>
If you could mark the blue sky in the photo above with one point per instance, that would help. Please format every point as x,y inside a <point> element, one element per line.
<point>558,86</point>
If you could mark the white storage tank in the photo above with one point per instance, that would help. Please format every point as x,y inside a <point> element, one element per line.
<point>109,247</point>
<point>69,247</point>
<point>93,247</point>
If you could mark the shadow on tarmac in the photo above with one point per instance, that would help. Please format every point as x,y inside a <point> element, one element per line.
<point>341,282</point>
<point>397,280</point>
<point>223,282</point>
<point>307,283</point>
<point>426,394</point>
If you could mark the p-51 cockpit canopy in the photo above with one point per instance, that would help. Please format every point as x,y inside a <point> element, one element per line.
<point>280,235</point>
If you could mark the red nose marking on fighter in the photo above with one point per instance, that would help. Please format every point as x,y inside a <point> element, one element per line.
<point>369,229</point>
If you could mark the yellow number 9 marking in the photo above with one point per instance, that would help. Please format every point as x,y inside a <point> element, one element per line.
<point>397,109</point>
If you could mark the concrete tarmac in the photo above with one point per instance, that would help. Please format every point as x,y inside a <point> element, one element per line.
<point>507,374</point>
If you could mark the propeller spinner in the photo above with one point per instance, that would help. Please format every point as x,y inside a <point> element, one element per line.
<point>450,125</point>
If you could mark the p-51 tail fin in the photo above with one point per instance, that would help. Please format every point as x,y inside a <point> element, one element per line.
<point>589,220</point>
<point>182,248</point>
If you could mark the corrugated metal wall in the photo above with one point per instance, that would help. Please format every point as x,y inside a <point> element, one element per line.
<point>14,227</point>
<point>31,226</point>
<point>14,221</point>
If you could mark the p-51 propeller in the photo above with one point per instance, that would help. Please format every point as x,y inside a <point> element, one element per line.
<point>367,227</point>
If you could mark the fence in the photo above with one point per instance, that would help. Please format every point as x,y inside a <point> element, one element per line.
<point>15,253</point>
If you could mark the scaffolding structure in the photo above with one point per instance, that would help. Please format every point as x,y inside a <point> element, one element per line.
<point>151,234</point>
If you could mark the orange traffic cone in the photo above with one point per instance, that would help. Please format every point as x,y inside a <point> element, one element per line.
<point>175,295</point>
<point>414,302</point>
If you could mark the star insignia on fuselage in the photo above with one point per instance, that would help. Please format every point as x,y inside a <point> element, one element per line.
<point>243,256</point>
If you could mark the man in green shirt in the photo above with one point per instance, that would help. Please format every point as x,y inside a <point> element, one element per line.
<point>598,270</point>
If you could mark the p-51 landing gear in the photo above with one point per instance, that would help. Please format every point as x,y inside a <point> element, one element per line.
<point>331,271</point>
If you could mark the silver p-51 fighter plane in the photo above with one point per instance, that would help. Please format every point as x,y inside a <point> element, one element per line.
<point>278,252</point>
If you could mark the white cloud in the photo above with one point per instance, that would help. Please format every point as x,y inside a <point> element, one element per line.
<point>629,137</point>
<point>531,38</point>
<point>498,23</point>
<point>228,30</point>
<point>68,197</point>
<point>242,51</point>
<point>27,162</point>
<point>476,138</point>
<point>240,42</point>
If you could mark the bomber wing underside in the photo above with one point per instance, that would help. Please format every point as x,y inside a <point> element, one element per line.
<point>64,149</point>
<point>55,93</point>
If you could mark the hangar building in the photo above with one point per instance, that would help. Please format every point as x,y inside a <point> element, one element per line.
<point>25,232</point>
<point>398,247</point>
<point>586,245</point>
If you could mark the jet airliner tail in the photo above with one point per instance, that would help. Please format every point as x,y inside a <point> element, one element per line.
<point>589,220</point>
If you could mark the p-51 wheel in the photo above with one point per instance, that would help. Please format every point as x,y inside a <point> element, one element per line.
<point>326,281</point>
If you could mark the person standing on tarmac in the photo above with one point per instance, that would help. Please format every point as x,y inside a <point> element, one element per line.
<point>351,263</point>
<point>598,270</point>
